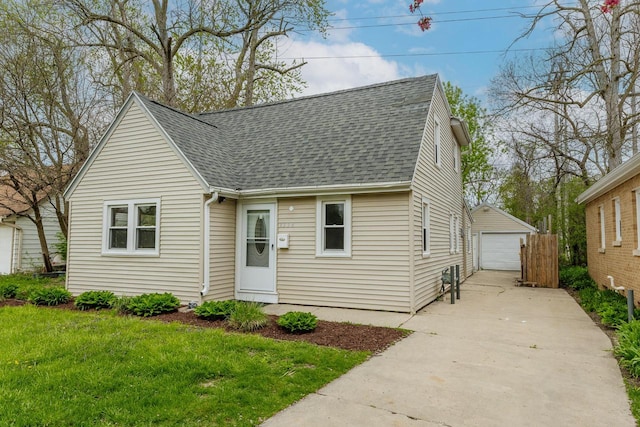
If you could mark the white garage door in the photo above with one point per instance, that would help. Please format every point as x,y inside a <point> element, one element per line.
<point>6,237</point>
<point>500,251</point>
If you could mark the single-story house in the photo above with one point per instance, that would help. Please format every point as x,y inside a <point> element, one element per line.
<point>613,226</point>
<point>20,248</point>
<point>496,238</point>
<point>348,199</point>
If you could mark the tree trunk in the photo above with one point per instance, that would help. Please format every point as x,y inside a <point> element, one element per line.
<point>37,221</point>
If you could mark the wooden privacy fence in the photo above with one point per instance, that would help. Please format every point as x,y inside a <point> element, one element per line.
<point>539,260</point>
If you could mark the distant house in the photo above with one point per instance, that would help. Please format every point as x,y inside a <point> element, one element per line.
<point>347,199</point>
<point>613,226</point>
<point>20,248</point>
<point>496,236</point>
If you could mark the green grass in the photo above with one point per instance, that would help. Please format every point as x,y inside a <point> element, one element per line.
<point>59,367</point>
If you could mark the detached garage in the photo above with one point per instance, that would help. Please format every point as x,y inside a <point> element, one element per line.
<point>497,235</point>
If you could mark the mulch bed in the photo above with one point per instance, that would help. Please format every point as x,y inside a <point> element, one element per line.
<point>346,336</point>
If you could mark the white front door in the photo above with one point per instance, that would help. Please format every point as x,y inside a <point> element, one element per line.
<point>6,249</point>
<point>256,272</point>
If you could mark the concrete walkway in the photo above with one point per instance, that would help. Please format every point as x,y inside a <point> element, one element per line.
<point>500,356</point>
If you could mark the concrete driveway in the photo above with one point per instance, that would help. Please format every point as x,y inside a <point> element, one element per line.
<point>500,356</point>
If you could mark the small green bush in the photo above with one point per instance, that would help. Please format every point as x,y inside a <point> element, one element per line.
<point>298,321</point>
<point>216,310</point>
<point>628,348</point>
<point>54,295</point>
<point>576,278</point>
<point>248,316</point>
<point>8,290</point>
<point>95,300</point>
<point>147,305</point>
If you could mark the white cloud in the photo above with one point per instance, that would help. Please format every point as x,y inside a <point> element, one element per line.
<point>346,65</point>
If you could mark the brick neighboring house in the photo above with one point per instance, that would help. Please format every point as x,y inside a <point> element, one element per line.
<point>613,231</point>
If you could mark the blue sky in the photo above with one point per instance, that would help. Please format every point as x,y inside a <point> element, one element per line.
<point>368,35</point>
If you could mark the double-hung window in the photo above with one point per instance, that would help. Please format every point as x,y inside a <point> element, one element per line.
<point>333,231</point>
<point>436,142</point>
<point>636,196</point>
<point>603,240</point>
<point>426,227</point>
<point>131,227</point>
<point>452,233</point>
<point>456,157</point>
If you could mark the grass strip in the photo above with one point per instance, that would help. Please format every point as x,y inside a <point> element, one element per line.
<point>61,367</point>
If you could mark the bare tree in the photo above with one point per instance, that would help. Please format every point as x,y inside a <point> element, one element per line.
<point>596,65</point>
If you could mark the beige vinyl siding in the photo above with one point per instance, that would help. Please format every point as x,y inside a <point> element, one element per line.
<point>137,163</point>
<point>375,277</point>
<point>30,257</point>
<point>487,219</point>
<point>443,187</point>
<point>222,251</point>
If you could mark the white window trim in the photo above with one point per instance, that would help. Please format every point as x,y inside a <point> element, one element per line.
<point>636,252</point>
<point>469,240</point>
<point>602,229</point>
<point>618,221</point>
<point>451,233</point>
<point>131,228</point>
<point>320,202</point>
<point>426,227</point>
<point>456,233</point>
<point>437,146</point>
<point>456,157</point>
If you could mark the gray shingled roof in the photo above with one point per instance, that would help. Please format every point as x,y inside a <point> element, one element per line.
<point>358,136</point>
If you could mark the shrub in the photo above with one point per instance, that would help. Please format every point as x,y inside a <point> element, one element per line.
<point>215,310</point>
<point>95,299</point>
<point>248,316</point>
<point>576,278</point>
<point>628,348</point>
<point>147,305</point>
<point>54,295</point>
<point>8,290</point>
<point>298,321</point>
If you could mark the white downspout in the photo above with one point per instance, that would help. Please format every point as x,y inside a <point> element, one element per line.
<point>206,261</point>
<point>13,252</point>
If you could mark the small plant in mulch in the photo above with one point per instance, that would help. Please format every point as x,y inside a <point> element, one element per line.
<point>95,300</point>
<point>55,295</point>
<point>298,322</point>
<point>8,290</point>
<point>248,317</point>
<point>628,348</point>
<point>147,305</point>
<point>216,310</point>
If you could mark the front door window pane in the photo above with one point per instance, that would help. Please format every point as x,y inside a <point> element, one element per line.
<point>257,245</point>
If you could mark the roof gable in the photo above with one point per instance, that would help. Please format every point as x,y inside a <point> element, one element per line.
<point>499,211</point>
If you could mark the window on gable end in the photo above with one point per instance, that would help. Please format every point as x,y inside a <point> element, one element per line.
<point>131,227</point>
<point>436,142</point>
<point>426,227</point>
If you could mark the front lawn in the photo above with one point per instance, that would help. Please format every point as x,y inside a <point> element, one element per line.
<point>61,367</point>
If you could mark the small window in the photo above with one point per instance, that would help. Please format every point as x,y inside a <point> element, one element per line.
<point>617,217</point>
<point>456,157</point>
<point>451,233</point>
<point>601,224</point>
<point>426,227</point>
<point>469,240</point>
<point>636,194</point>
<point>436,141</point>
<point>131,227</point>
<point>456,233</point>
<point>334,227</point>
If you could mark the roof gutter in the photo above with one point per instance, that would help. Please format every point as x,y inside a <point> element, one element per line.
<point>460,130</point>
<point>316,190</point>
<point>611,180</point>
